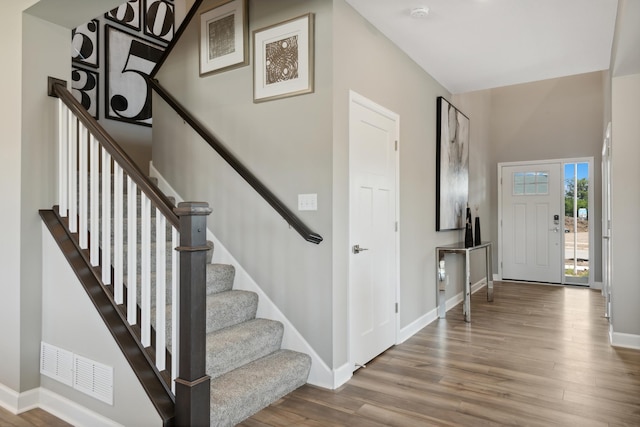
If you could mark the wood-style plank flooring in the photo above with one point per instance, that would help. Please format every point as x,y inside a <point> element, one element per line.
<point>536,356</point>
<point>33,418</point>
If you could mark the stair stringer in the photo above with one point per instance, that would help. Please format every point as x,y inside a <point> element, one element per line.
<point>321,374</point>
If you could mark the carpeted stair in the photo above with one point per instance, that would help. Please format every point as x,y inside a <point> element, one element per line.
<point>248,368</point>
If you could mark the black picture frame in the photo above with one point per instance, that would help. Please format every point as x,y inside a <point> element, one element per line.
<point>85,86</point>
<point>129,61</point>
<point>159,19</point>
<point>85,46</point>
<point>127,14</point>
<point>452,166</point>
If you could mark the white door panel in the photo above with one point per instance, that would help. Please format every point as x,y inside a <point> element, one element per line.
<point>531,234</point>
<point>372,278</point>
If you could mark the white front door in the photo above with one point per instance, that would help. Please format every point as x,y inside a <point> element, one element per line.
<point>532,222</point>
<point>373,133</point>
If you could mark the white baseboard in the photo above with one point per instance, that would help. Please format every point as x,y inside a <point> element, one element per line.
<point>53,403</point>
<point>619,339</point>
<point>321,375</point>
<point>414,327</point>
<point>342,375</point>
<point>596,285</point>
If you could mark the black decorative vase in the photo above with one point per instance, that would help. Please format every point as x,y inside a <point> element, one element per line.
<point>468,232</point>
<point>477,238</point>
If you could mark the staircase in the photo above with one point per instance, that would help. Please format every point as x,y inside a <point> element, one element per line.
<point>247,366</point>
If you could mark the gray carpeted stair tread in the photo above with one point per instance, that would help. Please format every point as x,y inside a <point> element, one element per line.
<point>232,347</point>
<point>220,278</point>
<point>241,393</point>
<point>230,308</point>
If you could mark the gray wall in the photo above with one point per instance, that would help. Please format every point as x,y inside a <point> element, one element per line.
<point>368,63</point>
<point>551,119</point>
<point>286,143</point>
<point>625,200</point>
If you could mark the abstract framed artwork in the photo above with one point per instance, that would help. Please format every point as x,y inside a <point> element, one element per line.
<point>130,59</point>
<point>84,87</point>
<point>84,44</point>
<point>452,166</point>
<point>159,19</point>
<point>284,59</point>
<point>224,34</point>
<point>127,14</point>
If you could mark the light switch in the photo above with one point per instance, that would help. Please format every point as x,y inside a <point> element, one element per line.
<point>307,202</point>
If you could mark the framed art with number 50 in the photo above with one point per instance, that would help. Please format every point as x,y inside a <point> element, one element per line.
<point>224,33</point>
<point>283,59</point>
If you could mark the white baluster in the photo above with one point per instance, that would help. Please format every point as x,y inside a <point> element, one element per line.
<point>106,217</point>
<point>73,173</point>
<point>161,288</point>
<point>145,271</point>
<point>132,240</point>
<point>94,196</point>
<point>83,175</point>
<point>118,234</point>
<point>175,304</point>
<point>63,157</point>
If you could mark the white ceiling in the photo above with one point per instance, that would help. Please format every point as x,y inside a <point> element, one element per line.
<point>469,45</point>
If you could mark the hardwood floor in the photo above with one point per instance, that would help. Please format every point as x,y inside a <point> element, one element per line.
<point>32,418</point>
<point>537,356</point>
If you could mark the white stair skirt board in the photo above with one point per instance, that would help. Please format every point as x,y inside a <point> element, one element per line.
<point>320,375</point>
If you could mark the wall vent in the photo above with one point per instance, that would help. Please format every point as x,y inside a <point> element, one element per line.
<point>93,378</point>
<point>56,363</point>
<point>85,375</point>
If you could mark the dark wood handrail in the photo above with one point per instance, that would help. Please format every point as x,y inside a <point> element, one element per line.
<point>159,200</point>
<point>291,218</point>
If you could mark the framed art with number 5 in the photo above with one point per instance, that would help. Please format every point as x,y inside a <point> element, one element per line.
<point>283,59</point>
<point>129,61</point>
<point>224,33</point>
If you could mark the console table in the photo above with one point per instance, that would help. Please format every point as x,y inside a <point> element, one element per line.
<point>458,248</point>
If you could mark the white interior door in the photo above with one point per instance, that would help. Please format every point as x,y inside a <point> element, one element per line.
<point>606,221</point>
<point>532,222</point>
<point>373,133</point>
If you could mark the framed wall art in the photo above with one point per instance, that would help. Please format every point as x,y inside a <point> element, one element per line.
<point>130,59</point>
<point>84,44</point>
<point>84,87</point>
<point>159,19</point>
<point>284,59</point>
<point>452,166</point>
<point>224,34</point>
<point>127,14</point>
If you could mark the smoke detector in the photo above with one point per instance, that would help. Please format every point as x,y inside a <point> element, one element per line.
<point>419,12</point>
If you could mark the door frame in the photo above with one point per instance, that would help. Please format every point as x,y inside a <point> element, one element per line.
<point>356,98</point>
<point>606,221</point>
<point>562,162</point>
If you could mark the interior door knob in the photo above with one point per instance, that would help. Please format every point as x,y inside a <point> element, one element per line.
<point>357,249</point>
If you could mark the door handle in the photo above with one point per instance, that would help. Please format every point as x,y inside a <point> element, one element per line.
<point>357,249</point>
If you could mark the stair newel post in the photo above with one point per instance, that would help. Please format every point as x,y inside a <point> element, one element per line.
<point>192,382</point>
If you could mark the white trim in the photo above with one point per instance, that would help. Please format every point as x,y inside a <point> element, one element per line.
<point>321,374</point>
<point>356,98</point>
<point>342,375</point>
<point>619,339</point>
<point>55,404</point>
<point>596,285</point>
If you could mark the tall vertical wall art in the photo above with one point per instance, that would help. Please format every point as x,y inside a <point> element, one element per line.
<point>452,166</point>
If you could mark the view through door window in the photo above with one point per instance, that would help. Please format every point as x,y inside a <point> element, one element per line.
<point>576,223</point>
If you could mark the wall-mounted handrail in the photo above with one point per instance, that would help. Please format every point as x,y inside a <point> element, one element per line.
<point>58,89</point>
<point>292,219</point>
